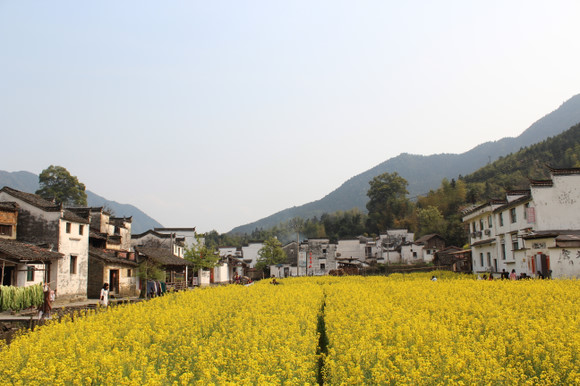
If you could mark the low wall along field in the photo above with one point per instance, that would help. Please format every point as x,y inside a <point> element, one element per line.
<point>401,329</point>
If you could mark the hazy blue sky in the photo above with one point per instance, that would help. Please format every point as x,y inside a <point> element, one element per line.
<point>218,113</point>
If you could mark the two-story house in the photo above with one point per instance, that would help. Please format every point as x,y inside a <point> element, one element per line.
<point>527,230</point>
<point>111,259</point>
<point>45,224</point>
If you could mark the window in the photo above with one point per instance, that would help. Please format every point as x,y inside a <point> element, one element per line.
<point>129,272</point>
<point>501,219</point>
<point>513,215</point>
<point>526,208</point>
<point>489,222</point>
<point>474,227</point>
<point>5,230</point>
<point>515,245</point>
<point>488,259</point>
<point>73,265</point>
<point>480,224</point>
<point>68,227</point>
<point>81,229</point>
<point>322,266</point>
<point>29,273</point>
<point>481,259</point>
<point>502,251</point>
<point>415,254</point>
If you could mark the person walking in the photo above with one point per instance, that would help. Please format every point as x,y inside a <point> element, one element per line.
<point>513,275</point>
<point>104,298</point>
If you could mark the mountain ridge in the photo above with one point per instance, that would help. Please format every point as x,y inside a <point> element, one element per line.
<point>425,172</point>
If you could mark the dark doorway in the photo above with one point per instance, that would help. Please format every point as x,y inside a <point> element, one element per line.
<point>8,275</point>
<point>114,281</point>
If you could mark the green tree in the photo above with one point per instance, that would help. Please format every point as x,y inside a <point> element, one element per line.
<point>57,184</point>
<point>201,255</point>
<point>270,254</point>
<point>388,201</point>
<point>148,270</point>
<point>430,220</point>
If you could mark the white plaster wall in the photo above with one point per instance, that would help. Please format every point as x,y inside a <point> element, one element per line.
<point>73,243</point>
<point>188,235</point>
<point>22,274</point>
<point>220,274</point>
<point>251,252</point>
<point>508,226</point>
<point>150,238</point>
<point>565,263</point>
<point>204,278</point>
<point>350,249</point>
<point>407,253</point>
<point>226,251</point>
<point>476,258</point>
<point>557,207</point>
<point>390,257</point>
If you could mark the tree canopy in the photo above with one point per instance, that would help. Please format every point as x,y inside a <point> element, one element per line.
<point>271,253</point>
<point>57,184</point>
<point>388,201</point>
<point>201,255</point>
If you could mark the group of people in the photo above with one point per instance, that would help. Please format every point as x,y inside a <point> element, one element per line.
<point>504,275</point>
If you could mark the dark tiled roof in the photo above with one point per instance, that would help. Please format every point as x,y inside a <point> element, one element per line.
<point>521,192</point>
<point>114,239</point>
<point>27,252</point>
<point>33,199</point>
<point>110,257</point>
<point>97,235</point>
<point>552,233</point>
<point>163,256</point>
<point>515,202</point>
<point>474,208</point>
<point>424,239</point>
<point>9,206</point>
<point>120,221</point>
<point>483,242</point>
<point>82,212</point>
<point>174,229</point>
<point>48,206</point>
<point>152,232</point>
<point>565,171</point>
<point>70,216</point>
<point>537,183</point>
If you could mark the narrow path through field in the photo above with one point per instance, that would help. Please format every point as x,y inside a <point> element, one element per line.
<point>322,343</point>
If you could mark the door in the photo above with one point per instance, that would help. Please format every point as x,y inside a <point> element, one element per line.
<point>8,274</point>
<point>114,281</point>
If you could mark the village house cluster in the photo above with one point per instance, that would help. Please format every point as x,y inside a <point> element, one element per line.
<point>535,232</point>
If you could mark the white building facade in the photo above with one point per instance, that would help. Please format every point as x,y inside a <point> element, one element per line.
<point>532,232</point>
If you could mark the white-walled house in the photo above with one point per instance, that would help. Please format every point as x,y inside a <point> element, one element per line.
<point>43,223</point>
<point>111,258</point>
<point>187,235</point>
<point>353,249</point>
<point>250,253</point>
<point>390,244</point>
<point>532,231</point>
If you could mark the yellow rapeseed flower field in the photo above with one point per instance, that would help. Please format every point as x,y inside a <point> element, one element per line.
<point>402,329</point>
